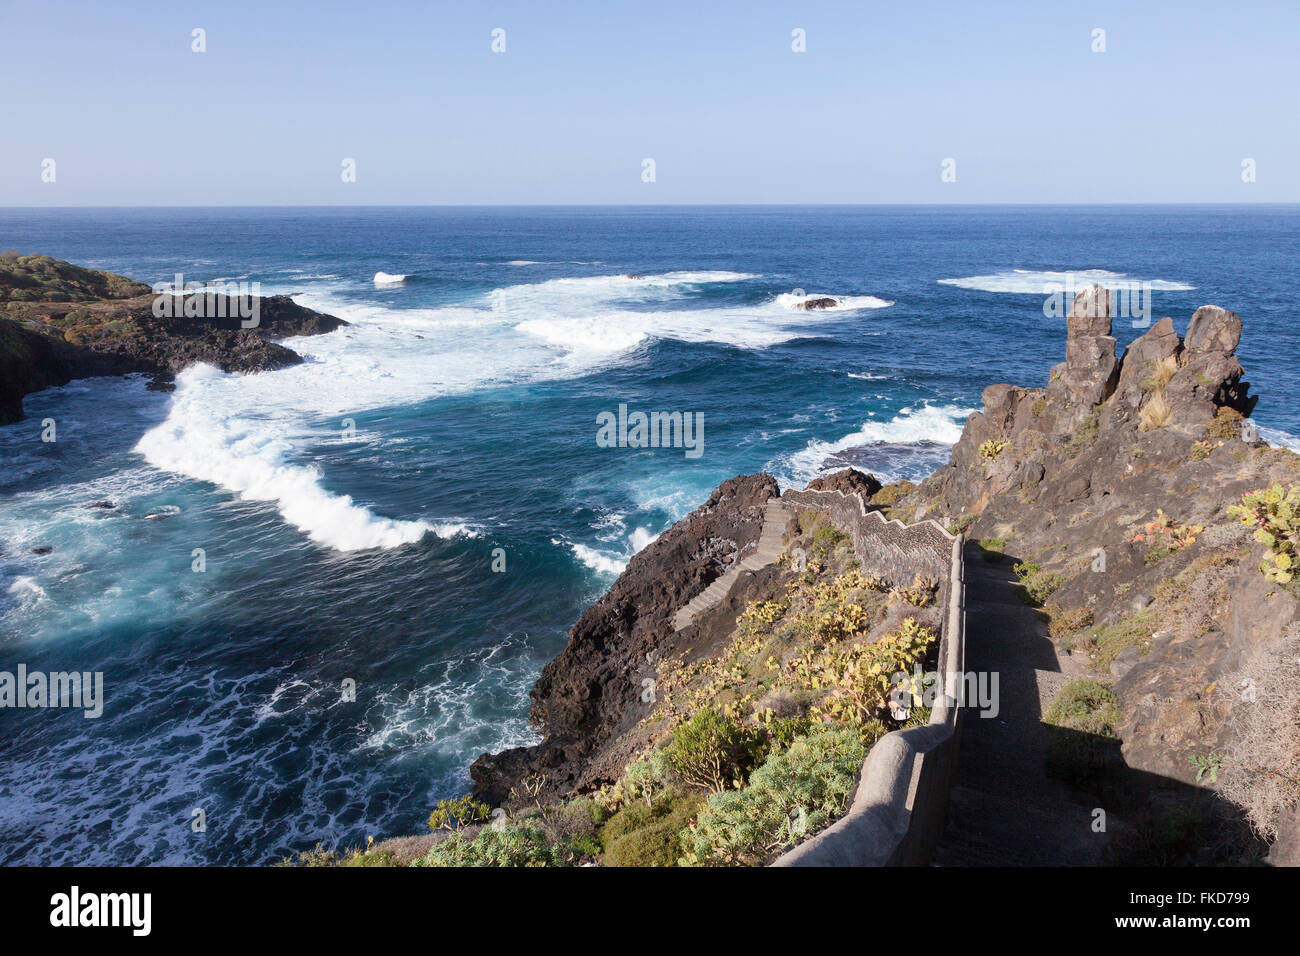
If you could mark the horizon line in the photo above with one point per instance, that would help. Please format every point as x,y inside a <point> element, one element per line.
<point>681,205</point>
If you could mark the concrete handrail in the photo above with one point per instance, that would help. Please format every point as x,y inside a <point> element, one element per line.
<point>900,806</point>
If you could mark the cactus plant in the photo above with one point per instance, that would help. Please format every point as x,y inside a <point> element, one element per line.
<point>1274,513</point>
<point>990,450</point>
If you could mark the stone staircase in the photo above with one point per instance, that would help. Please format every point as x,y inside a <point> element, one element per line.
<point>1004,808</point>
<point>770,546</point>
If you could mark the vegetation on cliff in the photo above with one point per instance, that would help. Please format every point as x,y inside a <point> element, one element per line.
<point>745,750</point>
<point>1148,527</point>
<point>59,321</point>
<point>1151,524</point>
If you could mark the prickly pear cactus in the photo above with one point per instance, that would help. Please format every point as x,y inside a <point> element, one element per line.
<point>1274,513</point>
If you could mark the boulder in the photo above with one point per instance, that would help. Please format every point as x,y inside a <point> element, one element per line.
<point>850,481</point>
<point>1159,343</point>
<point>1091,370</point>
<point>1213,329</point>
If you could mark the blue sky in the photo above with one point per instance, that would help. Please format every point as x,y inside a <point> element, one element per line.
<point>585,91</point>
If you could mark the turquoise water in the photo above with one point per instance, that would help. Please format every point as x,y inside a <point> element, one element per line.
<point>349,509</point>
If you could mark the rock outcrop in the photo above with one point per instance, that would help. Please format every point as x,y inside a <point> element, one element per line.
<point>1111,485</point>
<point>62,322</point>
<point>1114,481</point>
<point>591,693</point>
<point>849,480</point>
<point>813,305</point>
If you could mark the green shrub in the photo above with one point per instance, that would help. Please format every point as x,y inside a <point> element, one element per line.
<point>1274,513</point>
<point>507,845</point>
<point>796,791</point>
<point>990,449</point>
<point>353,857</point>
<point>1063,623</point>
<point>643,834</point>
<point>645,779</point>
<point>1085,704</point>
<point>1108,640</point>
<point>454,814</point>
<point>1207,765</point>
<point>784,731</point>
<point>713,752</point>
<point>1036,585</point>
<point>1084,741</point>
<point>962,524</point>
<point>890,493</point>
<point>825,542</point>
<point>1226,424</point>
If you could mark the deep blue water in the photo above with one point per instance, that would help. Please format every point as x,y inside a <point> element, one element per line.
<point>473,389</point>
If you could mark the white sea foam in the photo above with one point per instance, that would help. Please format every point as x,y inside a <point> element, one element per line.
<point>610,314</point>
<point>246,433</point>
<point>240,432</point>
<point>26,588</point>
<point>843,303</point>
<point>244,452</point>
<point>385,278</point>
<point>1035,282</point>
<point>940,424</point>
<point>1275,436</point>
<point>605,561</point>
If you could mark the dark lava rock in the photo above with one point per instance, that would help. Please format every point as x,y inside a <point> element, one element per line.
<point>891,458</point>
<point>850,481</point>
<point>104,505</point>
<point>43,549</point>
<point>591,692</point>
<point>812,305</point>
<point>46,343</point>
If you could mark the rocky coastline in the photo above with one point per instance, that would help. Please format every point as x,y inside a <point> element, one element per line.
<point>60,322</point>
<point>1109,491</point>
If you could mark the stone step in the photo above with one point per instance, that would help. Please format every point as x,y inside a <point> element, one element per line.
<point>769,547</point>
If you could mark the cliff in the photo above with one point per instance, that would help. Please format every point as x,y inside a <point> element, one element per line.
<point>61,322</point>
<point>1109,492</point>
<point>590,695</point>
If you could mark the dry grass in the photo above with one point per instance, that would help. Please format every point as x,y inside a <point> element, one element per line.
<point>1155,413</point>
<point>1161,373</point>
<point>1263,760</point>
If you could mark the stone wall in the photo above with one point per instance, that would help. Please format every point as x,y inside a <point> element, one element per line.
<point>900,806</point>
<point>890,549</point>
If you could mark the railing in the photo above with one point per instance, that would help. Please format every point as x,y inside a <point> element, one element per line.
<point>901,803</point>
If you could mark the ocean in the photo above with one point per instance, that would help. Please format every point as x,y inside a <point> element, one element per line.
<point>422,509</point>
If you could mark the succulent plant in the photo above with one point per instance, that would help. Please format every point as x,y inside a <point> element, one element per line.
<point>1274,513</point>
